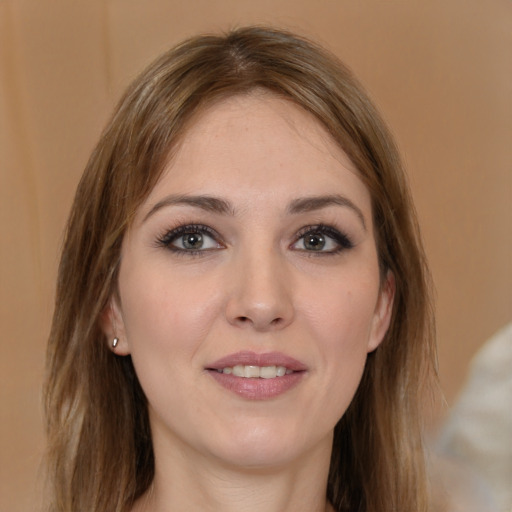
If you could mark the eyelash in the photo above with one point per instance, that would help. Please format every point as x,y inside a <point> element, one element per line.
<point>166,240</point>
<point>342,240</point>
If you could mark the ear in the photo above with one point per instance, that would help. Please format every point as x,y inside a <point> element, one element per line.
<point>383,312</point>
<point>112,325</point>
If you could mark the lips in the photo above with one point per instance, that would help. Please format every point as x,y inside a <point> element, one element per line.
<point>257,376</point>
<point>248,358</point>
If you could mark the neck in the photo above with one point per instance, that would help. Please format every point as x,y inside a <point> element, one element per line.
<point>188,481</point>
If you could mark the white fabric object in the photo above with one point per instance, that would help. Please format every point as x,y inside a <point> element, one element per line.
<point>478,431</point>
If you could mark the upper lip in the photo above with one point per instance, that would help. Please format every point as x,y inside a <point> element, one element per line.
<point>248,358</point>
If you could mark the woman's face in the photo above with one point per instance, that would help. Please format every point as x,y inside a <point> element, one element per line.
<point>249,287</point>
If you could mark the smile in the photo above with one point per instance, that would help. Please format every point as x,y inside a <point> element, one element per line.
<point>254,376</point>
<point>256,372</point>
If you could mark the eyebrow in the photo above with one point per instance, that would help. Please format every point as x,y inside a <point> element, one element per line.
<point>309,204</point>
<point>207,203</point>
<point>223,207</point>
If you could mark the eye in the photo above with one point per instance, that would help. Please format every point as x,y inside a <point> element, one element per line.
<point>190,239</point>
<point>322,239</point>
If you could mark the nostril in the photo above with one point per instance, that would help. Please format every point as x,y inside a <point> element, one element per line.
<point>247,320</point>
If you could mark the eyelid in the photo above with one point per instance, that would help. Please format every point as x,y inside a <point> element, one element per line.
<point>342,239</point>
<point>170,235</point>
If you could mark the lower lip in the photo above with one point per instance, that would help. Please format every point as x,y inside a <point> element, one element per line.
<point>257,389</point>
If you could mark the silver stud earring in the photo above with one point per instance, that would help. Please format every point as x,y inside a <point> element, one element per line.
<point>115,341</point>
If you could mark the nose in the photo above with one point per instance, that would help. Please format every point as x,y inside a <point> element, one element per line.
<point>260,293</point>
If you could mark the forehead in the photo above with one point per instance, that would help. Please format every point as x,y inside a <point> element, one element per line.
<point>255,145</point>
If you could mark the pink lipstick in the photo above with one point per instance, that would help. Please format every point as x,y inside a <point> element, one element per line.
<point>257,376</point>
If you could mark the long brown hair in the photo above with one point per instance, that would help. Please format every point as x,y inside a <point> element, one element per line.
<point>100,455</point>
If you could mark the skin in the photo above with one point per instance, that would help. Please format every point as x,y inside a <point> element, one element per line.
<point>253,286</point>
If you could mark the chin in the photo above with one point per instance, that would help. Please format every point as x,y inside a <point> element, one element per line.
<point>264,446</point>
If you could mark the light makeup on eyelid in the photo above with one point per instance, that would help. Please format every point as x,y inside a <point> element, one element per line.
<point>190,239</point>
<point>198,239</point>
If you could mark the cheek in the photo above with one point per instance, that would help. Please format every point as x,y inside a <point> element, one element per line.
<point>165,326</point>
<point>164,315</point>
<point>340,319</point>
<point>342,312</point>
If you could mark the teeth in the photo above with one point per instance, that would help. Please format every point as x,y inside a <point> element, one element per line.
<point>280,371</point>
<point>238,371</point>
<point>269,372</point>
<point>255,372</point>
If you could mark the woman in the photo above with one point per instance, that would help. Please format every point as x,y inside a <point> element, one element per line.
<point>242,317</point>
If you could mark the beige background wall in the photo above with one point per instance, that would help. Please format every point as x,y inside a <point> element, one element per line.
<point>440,70</point>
